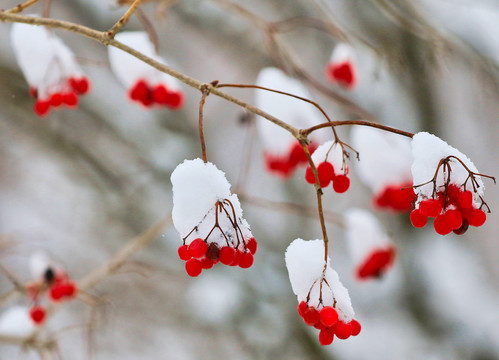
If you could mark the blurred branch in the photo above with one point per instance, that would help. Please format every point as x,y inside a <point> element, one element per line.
<point>124,19</point>
<point>21,7</point>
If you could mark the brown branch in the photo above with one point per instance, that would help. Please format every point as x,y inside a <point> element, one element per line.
<point>357,122</point>
<point>149,28</point>
<point>200,125</point>
<point>21,7</point>
<point>124,19</point>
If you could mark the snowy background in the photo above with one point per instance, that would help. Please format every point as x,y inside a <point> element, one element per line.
<point>81,183</point>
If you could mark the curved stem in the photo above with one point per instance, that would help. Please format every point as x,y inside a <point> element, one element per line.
<point>123,20</point>
<point>201,132</point>
<point>357,122</point>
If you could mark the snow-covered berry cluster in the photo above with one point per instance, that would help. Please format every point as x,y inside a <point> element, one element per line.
<point>341,68</point>
<point>209,219</point>
<point>331,167</point>
<point>448,187</point>
<point>324,302</point>
<point>146,85</point>
<point>50,68</point>
<point>283,154</point>
<point>369,246</point>
<point>50,280</point>
<point>385,167</point>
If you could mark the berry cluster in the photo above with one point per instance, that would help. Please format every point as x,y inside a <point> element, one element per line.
<point>149,95</point>
<point>326,320</point>
<point>341,73</point>
<point>285,165</point>
<point>199,255</point>
<point>376,264</point>
<point>68,96</point>
<point>398,198</point>
<point>453,210</point>
<point>59,287</point>
<point>326,173</point>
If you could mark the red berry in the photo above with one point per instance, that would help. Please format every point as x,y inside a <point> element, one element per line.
<point>183,252</point>
<point>297,155</point>
<point>309,175</point>
<point>341,183</point>
<point>326,336</point>
<point>441,226</point>
<point>207,263</point>
<point>197,248</point>
<point>453,218</point>
<point>56,99</point>
<point>343,73</point>
<point>328,316</point>
<point>37,314</point>
<point>311,316</point>
<point>477,217</point>
<point>56,292</point>
<point>325,171</point>
<point>193,267</point>
<point>418,220</point>
<point>252,245</point>
<point>237,258</point>
<point>83,86</point>
<point>376,263</point>
<point>160,94</point>
<point>430,207</point>
<point>70,100</point>
<point>466,199</point>
<point>42,107</point>
<point>33,92</point>
<point>246,260</point>
<point>227,255</point>
<point>69,289</point>
<point>213,251</point>
<point>342,330</point>
<point>139,91</point>
<point>462,229</point>
<point>302,307</point>
<point>175,100</point>
<point>355,327</point>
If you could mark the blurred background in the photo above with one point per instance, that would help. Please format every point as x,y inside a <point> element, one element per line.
<point>80,184</point>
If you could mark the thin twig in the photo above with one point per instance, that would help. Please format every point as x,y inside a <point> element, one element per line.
<point>149,28</point>
<point>200,125</point>
<point>124,19</point>
<point>21,7</point>
<point>357,122</point>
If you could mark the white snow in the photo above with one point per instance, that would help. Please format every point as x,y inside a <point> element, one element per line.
<point>128,69</point>
<point>15,321</point>
<point>427,151</point>
<point>385,158</point>
<point>364,235</point>
<point>341,53</point>
<point>293,111</point>
<point>39,262</point>
<point>330,152</point>
<point>197,187</point>
<point>305,263</point>
<point>45,60</point>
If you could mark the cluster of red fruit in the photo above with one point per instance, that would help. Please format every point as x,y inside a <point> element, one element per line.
<point>75,87</point>
<point>149,95</point>
<point>60,288</point>
<point>325,171</point>
<point>326,320</point>
<point>453,210</point>
<point>341,73</point>
<point>378,262</point>
<point>285,165</point>
<point>199,255</point>
<point>398,198</point>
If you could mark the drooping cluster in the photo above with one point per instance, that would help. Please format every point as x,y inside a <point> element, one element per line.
<point>341,68</point>
<point>324,302</point>
<point>209,219</point>
<point>50,68</point>
<point>50,280</point>
<point>331,167</point>
<point>369,246</point>
<point>146,85</point>
<point>448,187</point>
<point>385,167</point>
<point>283,154</point>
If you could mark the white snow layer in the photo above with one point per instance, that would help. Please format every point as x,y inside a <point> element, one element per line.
<point>385,158</point>
<point>333,153</point>
<point>305,263</point>
<point>16,322</point>
<point>364,234</point>
<point>341,53</point>
<point>45,60</point>
<point>295,112</point>
<point>197,187</point>
<point>128,69</point>
<point>39,262</point>
<point>427,151</point>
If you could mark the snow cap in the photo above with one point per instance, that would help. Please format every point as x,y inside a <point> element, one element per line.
<point>305,263</point>
<point>333,153</point>
<point>16,322</point>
